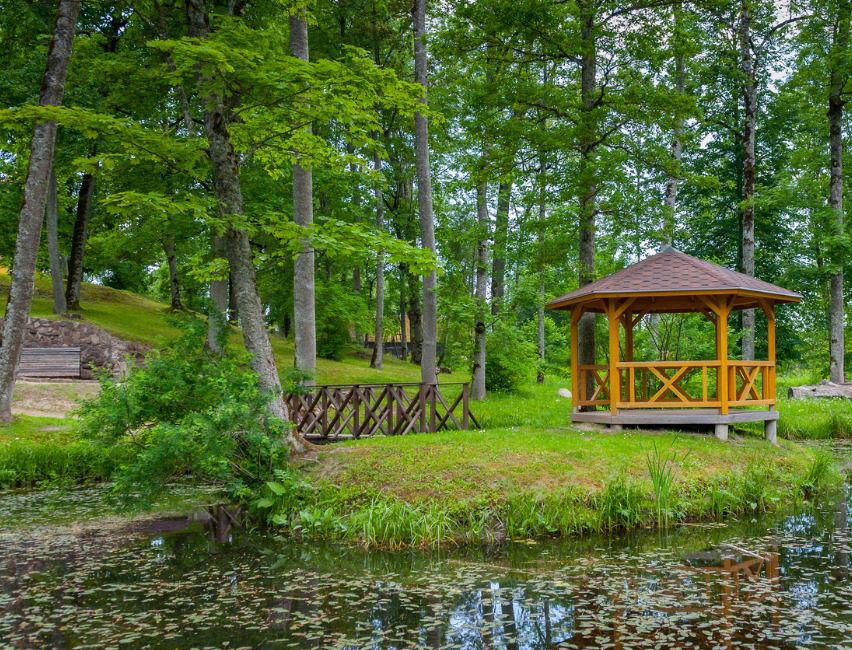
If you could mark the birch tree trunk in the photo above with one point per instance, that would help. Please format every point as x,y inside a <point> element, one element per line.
<point>51,216</point>
<point>542,216</point>
<point>429,327</point>
<point>501,240</point>
<point>32,210</point>
<point>588,180</point>
<point>403,319</point>
<point>749,132</point>
<point>228,192</point>
<point>379,348</point>
<point>478,390</point>
<point>304,290</point>
<point>85,199</point>
<point>837,308</point>
<point>670,209</point>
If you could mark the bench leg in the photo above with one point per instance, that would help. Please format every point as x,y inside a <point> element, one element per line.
<point>770,430</point>
<point>722,431</point>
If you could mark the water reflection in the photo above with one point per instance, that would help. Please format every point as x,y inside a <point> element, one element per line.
<point>205,582</point>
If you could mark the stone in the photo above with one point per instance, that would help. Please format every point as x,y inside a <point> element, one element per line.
<point>99,350</point>
<point>564,392</point>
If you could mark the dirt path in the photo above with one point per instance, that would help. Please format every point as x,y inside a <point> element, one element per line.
<point>54,399</point>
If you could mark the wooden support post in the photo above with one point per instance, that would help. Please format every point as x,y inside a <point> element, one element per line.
<point>465,406</point>
<point>769,379</point>
<point>627,319</point>
<point>356,411</point>
<point>433,407</point>
<point>421,398</point>
<point>614,376</point>
<point>576,313</point>
<point>628,323</point>
<point>722,355</point>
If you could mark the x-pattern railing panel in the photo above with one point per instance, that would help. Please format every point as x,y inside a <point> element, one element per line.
<point>359,410</point>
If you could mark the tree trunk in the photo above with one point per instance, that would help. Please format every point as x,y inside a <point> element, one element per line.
<point>220,293</point>
<point>542,216</point>
<point>749,128</point>
<point>403,320</point>
<point>85,200</point>
<point>670,208</point>
<point>228,193</point>
<point>32,210</point>
<point>415,321</point>
<point>170,250</point>
<point>588,182</point>
<point>837,309</point>
<point>478,390</point>
<point>429,325</point>
<point>304,294</point>
<point>501,238</point>
<point>378,348</point>
<point>51,215</point>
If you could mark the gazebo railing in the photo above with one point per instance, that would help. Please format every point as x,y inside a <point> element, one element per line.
<point>656,384</point>
<point>751,383</point>
<point>679,384</point>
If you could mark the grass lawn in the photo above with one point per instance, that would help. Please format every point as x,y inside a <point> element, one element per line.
<point>25,428</point>
<point>495,463</point>
<point>136,318</point>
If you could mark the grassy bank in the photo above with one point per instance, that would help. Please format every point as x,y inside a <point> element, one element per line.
<point>135,318</point>
<point>38,451</point>
<point>492,485</point>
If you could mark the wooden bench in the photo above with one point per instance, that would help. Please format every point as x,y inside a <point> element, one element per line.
<point>50,362</point>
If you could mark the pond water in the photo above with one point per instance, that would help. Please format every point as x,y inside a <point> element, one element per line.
<point>201,582</point>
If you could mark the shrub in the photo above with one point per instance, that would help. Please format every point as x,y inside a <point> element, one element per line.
<point>186,411</point>
<point>510,359</point>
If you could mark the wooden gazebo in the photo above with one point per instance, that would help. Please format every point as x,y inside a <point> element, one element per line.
<point>718,391</point>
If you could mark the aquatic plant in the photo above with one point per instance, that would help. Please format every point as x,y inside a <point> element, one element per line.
<point>619,505</point>
<point>29,463</point>
<point>661,470</point>
<point>820,473</point>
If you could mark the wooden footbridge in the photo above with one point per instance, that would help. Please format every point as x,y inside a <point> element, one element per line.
<point>344,411</point>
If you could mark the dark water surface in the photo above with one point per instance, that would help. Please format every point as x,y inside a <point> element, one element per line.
<point>180,583</point>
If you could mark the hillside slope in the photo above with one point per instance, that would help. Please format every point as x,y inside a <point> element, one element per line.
<point>135,318</point>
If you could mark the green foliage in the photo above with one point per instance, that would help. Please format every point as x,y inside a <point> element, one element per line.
<point>511,359</point>
<point>661,470</point>
<point>620,504</point>
<point>820,474</point>
<point>31,463</point>
<point>186,411</point>
<point>338,309</point>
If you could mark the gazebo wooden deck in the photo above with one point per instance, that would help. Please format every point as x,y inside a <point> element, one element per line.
<point>718,391</point>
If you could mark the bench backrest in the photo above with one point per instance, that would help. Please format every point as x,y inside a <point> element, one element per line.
<point>50,362</point>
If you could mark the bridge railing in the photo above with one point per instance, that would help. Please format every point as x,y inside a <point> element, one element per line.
<point>363,410</point>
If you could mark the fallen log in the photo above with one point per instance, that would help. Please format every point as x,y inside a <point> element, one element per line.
<point>822,389</point>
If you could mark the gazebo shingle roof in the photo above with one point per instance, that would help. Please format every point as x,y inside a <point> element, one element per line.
<point>673,272</point>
